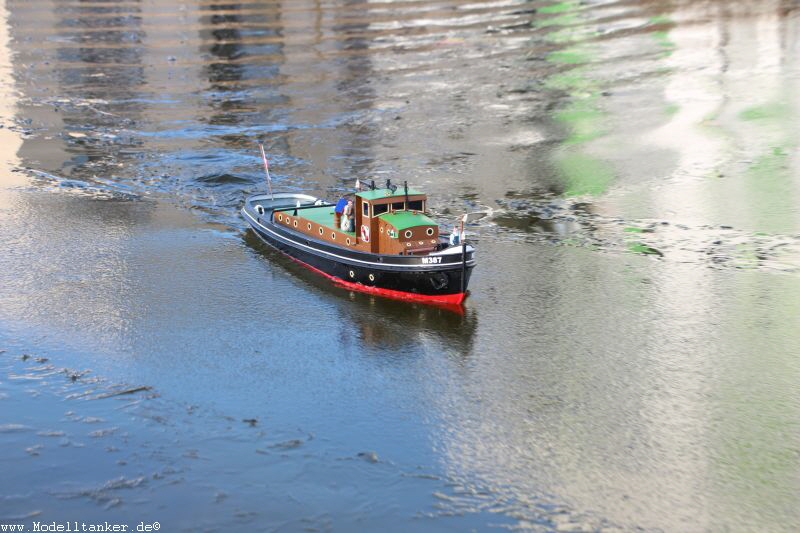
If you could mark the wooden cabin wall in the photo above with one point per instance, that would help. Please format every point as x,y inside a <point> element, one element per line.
<point>333,236</point>
<point>400,245</point>
<point>418,235</point>
<point>388,245</point>
<point>357,205</point>
<point>370,222</point>
<point>374,234</point>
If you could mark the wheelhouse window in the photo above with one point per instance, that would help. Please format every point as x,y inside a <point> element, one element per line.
<point>379,209</point>
<point>398,206</point>
<point>365,209</point>
<point>416,205</point>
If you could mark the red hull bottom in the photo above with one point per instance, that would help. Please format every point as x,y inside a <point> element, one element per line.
<point>443,300</point>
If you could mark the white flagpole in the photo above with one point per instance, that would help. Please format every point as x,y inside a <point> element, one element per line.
<point>463,255</point>
<point>266,167</point>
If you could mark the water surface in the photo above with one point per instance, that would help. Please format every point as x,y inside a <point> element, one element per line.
<point>626,360</point>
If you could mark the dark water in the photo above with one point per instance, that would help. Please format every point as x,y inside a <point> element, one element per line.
<point>628,358</point>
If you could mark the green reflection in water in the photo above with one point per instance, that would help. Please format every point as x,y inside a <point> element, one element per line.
<point>769,178</point>
<point>585,175</point>
<point>658,20</point>
<point>582,116</point>
<point>573,80</point>
<point>561,7</point>
<point>661,37</point>
<point>771,111</point>
<point>636,246</point>
<point>662,40</point>
<point>641,248</point>
<point>569,56</point>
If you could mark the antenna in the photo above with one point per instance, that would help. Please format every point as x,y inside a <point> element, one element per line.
<point>405,186</point>
<point>463,255</point>
<point>388,183</point>
<point>266,168</point>
<point>372,184</point>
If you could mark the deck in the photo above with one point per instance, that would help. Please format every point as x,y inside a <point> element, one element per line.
<point>322,215</point>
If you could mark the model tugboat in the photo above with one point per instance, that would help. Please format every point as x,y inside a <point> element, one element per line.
<point>387,245</point>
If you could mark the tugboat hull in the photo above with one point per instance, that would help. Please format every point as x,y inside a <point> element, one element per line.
<point>437,278</point>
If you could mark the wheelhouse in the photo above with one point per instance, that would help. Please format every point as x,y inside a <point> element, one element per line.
<point>395,222</point>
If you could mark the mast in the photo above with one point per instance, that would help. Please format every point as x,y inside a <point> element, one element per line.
<point>266,168</point>
<point>463,255</point>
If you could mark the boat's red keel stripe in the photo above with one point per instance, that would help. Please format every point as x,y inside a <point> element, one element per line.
<point>442,299</point>
<point>445,299</point>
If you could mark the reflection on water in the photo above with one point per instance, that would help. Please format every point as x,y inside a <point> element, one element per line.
<point>626,360</point>
<point>382,323</point>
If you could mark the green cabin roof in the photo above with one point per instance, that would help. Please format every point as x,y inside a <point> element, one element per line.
<point>407,219</point>
<point>378,194</point>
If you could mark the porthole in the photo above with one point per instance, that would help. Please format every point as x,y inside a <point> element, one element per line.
<point>309,226</point>
<point>408,244</point>
<point>429,231</point>
<point>321,231</point>
<point>288,220</point>
<point>371,277</point>
<point>333,236</point>
<point>421,243</point>
<point>280,218</point>
<point>295,223</point>
<point>260,209</point>
<point>433,241</point>
<point>348,241</point>
<point>381,229</point>
<point>408,234</point>
<point>352,274</point>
